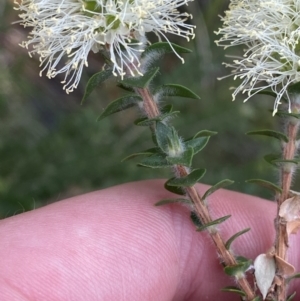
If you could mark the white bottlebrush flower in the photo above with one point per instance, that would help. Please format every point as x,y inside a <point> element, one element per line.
<point>269,31</point>
<point>72,28</point>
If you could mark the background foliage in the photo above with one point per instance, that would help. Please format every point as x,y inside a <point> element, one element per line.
<point>51,147</point>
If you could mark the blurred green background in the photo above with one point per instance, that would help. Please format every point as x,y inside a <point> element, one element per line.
<point>51,147</point>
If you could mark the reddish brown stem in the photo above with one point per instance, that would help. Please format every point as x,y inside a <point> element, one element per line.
<point>281,243</point>
<point>151,110</point>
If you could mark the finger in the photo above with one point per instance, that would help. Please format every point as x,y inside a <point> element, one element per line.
<point>115,245</point>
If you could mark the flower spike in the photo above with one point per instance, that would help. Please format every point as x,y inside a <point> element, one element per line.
<point>270,32</point>
<point>73,28</point>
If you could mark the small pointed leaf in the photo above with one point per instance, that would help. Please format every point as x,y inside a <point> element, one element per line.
<point>185,158</point>
<point>235,270</point>
<point>128,89</point>
<point>163,135</point>
<point>167,109</point>
<point>215,222</point>
<point>155,161</point>
<point>148,121</point>
<point>176,90</point>
<point>233,237</point>
<point>272,94</point>
<point>233,289</point>
<point>287,114</point>
<point>144,153</point>
<point>267,92</point>
<point>245,262</point>
<point>294,89</point>
<point>242,259</point>
<point>188,181</point>
<point>161,48</point>
<point>297,275</point>
<point>94,81</point>
<point>266,184</point>
<point>282,161</point>
<point>291,297</point>
<point>217,186</point>
<point>197,143</point>
<point>172,201</point>
<point>205,133</point>
<point>195,219</point>
<point>270,158</point>
<point>140,81</point>
<point>278,135</point>
<point>142,121</point>
<point>120,104</point>
<point>174,189</point>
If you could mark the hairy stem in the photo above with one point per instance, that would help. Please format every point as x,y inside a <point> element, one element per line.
<point>151,110</point>
<point>281,243</point>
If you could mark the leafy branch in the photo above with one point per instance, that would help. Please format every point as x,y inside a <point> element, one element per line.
<point>173,152</point>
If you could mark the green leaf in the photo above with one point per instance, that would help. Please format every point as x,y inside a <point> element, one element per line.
<point>188,181</point>
<point>162,48</point>
<point>155,161</point>
<point>143,121</point>
<point>278,135</point>
<point>266,184</point>
<point>294,89</point>
<point>164,134</point>
<point>197,143</point>
<point>120,104</point>
<point>94,81</point>
<point>176,90</point>
<point>270,158</point>
<point>195,219</point>
<point>286,114</point>
<point>185,158</point>
<point>140,81</point>
<point>244,262</point>
<point>242,259</point>
<point>144,153</point>
<point>169,142</point>
<point>276,160</point>
<point>282,161</point>
<point>167,109</point>
<point>235,270</point>
<point>174,189</point>
<point>291,297</point>
<point>233,289</point>
<point>205,133</point>
<point>233,237</point>
<point>215,222</point>
<point>172,201</point>
<point>128,89</point>
<point>297,275</point>
<point>148,121</point>
<point>217,186</point>
<point>272,94</point>
<point>267,92</point>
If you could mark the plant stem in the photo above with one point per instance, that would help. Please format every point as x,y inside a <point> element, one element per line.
<point>281,243</point>
<point>151,110</point>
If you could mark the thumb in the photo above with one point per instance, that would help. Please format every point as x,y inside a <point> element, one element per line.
<point>115,245</point>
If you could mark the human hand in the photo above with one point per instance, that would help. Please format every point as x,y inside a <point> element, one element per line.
<point>114,244</point>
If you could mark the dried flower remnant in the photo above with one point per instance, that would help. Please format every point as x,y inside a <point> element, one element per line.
<point>290,212</point>
<point>73,28</point>
<point>264,272</point>
<point>269,31</point>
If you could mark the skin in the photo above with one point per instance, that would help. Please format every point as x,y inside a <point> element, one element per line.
<point>114,244</point>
